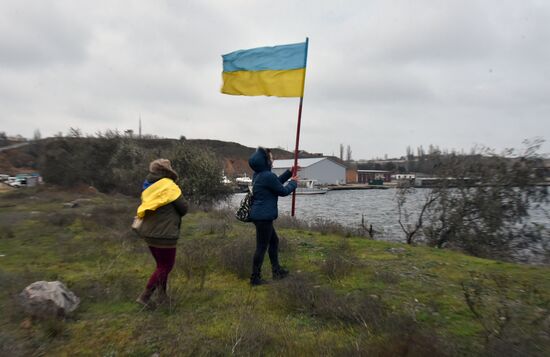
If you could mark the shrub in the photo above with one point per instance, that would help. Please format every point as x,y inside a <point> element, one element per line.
<point>339,262</point>
<point>326,226</point>
<point>218,223</point>
<point>287,221</point>
<point>402,336</point>
<point>300,293</point>
<point>6,231</point>
<point>510,328</point>
<point>61,219</point>
<point>236,256</point>
<point>482,209</point>
<point>193,259</point>
<point>252,336</point>
<point>113,216</point>
<point>387,277</point>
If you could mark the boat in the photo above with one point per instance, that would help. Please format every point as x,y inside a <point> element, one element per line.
<point>310,187</point>
<point>225,180</point>
<point>242,183</point>
<point>243,180</point>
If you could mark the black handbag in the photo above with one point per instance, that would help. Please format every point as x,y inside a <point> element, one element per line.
<point>243,212</point>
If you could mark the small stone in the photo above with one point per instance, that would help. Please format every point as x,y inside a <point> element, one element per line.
<point>70,205</point>
<point>27,323</point>
<point>397,250</point>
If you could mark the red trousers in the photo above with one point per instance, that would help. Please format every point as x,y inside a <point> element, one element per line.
<point>165,258</point>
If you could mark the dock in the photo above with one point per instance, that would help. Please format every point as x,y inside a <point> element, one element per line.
<point>356,187</point>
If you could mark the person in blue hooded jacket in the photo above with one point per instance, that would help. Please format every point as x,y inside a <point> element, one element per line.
<point>266,189</point>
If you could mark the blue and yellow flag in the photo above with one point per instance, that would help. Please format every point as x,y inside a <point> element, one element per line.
<point>273,71</point>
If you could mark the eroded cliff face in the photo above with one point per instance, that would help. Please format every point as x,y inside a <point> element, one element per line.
<point>234,167</point>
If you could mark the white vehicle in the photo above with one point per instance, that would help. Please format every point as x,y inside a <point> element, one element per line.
<point>226,181</point>
<point>15,184</point>
<point>245,180</point>
<point>4,177</point>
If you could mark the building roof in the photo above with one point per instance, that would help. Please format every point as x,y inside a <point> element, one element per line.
<point>303,163</point>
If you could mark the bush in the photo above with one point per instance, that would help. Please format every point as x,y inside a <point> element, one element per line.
<point>483,208</point>
<point>113,216</point>
<point>402,336</point>
<point>194,258</point>
<point>339,262</point>
<point>62,219</point>
<point>236,256</point>
<point>387,277</point>
<point>200,174</point>
<point>300,293</point>
<point>120,164</point>
<point>252,336</point>
<point>218,223</point>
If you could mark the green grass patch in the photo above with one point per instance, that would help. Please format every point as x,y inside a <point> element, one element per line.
<point>345,295</point>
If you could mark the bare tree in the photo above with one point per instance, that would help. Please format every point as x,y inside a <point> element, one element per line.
<point>74,133</point>
<point>342,152</point>
<point>484,202</point>
<point>348,153</point>
<point>411,229</point>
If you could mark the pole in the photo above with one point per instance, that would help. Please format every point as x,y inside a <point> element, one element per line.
<point>296,149</point>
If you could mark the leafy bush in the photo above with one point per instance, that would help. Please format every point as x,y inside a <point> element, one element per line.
<point>119,164</point>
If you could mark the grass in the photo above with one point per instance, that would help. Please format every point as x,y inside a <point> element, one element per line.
<point>346,295</point>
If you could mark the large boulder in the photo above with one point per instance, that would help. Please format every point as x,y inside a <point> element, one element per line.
<point>48,299</point>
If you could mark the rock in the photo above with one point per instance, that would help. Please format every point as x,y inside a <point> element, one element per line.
<point>80,201</point>
<point>26,324</point>
<point>48,299</point>
<point>70,205</point>
<point>397,250</point>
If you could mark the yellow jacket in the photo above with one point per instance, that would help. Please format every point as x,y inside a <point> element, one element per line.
<point>159,194</point>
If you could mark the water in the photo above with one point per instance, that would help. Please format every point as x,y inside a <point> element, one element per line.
<point>379,208</point>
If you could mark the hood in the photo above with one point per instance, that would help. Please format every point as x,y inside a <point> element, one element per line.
<point>259,161</point>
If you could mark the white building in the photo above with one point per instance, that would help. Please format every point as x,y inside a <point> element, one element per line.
<point>322,169</point>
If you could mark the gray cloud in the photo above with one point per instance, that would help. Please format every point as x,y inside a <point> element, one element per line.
<point>381,75</point>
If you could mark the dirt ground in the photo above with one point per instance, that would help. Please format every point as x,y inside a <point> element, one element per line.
<point>4,187</point>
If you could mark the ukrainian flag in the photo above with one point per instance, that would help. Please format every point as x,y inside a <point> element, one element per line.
<point>273,71</point>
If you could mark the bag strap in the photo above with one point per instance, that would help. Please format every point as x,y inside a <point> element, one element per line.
<point>251,188</point>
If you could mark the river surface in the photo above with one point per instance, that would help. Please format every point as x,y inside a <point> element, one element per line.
<point>379,208</point>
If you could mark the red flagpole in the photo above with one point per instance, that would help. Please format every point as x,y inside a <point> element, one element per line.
<point>296,149</point>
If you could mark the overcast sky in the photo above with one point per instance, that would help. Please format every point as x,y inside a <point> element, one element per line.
<point>381,75</point>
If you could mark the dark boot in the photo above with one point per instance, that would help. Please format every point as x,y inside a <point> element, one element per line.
<point>163,297</point>
<point>145,298</point>
<point>279,273</point>
<point>256,279</point>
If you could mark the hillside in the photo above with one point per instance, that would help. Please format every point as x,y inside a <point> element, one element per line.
<point>234,156</point>
<point>345,296</point>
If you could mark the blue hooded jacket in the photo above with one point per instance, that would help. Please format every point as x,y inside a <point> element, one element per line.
<point>267,187</point>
